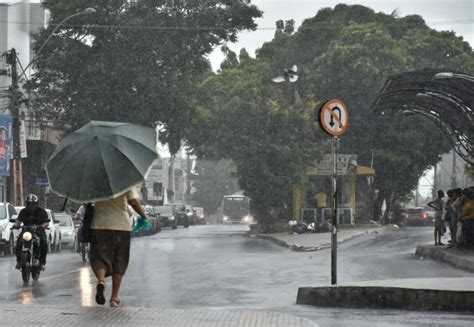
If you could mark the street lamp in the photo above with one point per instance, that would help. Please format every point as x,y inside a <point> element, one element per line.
<point>17,166</point>
<point>86,11</point>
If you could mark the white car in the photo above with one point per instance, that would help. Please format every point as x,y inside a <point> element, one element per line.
<point>55,233</point>
<point>67,229</point>
<point>8,235</point>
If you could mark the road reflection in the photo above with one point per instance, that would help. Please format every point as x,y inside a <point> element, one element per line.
<point>86,287</point>
<point>27,296</point>
<point>31,292</point>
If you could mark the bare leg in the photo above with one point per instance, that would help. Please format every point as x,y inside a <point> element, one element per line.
<point>116,282</point>
<point>100,274</point>
<point>453,233</point>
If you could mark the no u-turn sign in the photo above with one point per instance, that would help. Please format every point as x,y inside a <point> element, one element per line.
<point>334,117</point>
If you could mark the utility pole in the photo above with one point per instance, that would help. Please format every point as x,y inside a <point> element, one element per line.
<point>188,177</point>
<point>435,182</point>
<point>454,183</point>
<point>17,179</point>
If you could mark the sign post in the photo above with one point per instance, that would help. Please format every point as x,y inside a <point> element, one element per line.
<point>334,118</point>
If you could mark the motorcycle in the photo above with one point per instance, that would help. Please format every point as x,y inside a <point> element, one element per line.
<point>30,253</point>
<point>300,227</point>
<point>83,248</point>
<point>84,251</point>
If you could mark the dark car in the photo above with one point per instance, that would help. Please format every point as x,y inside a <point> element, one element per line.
<point>183,214</point>
<point>418,216</point>
<point>167,216</point>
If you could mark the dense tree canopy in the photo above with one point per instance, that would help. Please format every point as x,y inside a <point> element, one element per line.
<point>131,61</point>
<point>247,118</point>
<point>346,52</point>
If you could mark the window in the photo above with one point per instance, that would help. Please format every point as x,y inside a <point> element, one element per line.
<point>11,211</point>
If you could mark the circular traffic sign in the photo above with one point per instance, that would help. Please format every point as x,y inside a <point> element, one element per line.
<point>334,117</point>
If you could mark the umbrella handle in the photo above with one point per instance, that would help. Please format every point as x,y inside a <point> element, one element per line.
<point>64,205</point>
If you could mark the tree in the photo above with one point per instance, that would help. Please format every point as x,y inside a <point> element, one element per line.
<point>134,61</point>
<point>230,60</point>
<point>250,120</point>
<point>348,52</point>
<point>214,180</point>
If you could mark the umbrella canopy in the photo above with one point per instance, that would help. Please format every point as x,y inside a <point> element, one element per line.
<point>101,160</point>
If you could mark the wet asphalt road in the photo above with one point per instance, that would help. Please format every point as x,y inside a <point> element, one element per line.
<point>221,267</point>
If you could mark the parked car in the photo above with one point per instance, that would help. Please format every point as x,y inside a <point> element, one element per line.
<point>418,216</point>
<point>55,232</point>
<point>201,217</point>
<point>167,216</point>
<point>8,236</point>
<point>152,218</point>
<point>67,229</point>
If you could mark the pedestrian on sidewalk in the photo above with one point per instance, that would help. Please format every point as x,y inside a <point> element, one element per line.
<point>451,216</point>
<point>110,242</point>
<point>465,207</point>
<point>439,228</point>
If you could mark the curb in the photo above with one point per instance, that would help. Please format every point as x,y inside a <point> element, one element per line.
<point>301,248</point>
<point>444,255</point>
<point>381,297</point>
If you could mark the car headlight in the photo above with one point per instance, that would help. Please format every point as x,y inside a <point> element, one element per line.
<point>172,218</point>
<point>27,236</point>
<point>247,218</point>
<point>225,218</point>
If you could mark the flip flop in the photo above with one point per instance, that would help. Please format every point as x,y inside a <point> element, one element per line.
<point>99,296</point>
<point>115,303</point>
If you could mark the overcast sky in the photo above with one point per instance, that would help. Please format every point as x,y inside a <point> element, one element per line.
<point>451,15</point>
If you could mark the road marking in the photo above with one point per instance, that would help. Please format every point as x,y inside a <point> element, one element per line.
<point>62,274</point>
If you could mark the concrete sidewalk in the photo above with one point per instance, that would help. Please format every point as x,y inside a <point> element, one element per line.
<point>459,258</point>
<point>318,241</point>
<point>41,315</point>
<point>446,294</point>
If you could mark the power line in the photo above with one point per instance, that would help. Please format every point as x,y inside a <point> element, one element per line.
<point>322,25</point>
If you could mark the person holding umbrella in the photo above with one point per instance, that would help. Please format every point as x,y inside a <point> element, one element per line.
<point>115,159</point>
<point>110,242</point>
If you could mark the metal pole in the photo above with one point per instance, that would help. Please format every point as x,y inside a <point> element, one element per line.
<point>17,181</point>
<point>86,11</point>
<point>435,182</point>
<point>4,189</point>
<point>454,182</point>
<point>334,217</point>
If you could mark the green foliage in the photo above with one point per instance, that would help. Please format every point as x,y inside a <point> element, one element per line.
<point>132,61</point>
<point>214,180</point>
<point>347,52</point>
<point>250,120</point>
<point>230,60</point>
<point>469,169</point>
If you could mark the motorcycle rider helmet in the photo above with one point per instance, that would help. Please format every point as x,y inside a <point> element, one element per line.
<point>31,199</point>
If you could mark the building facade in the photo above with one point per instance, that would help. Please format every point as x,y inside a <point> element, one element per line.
<point>18,20</point>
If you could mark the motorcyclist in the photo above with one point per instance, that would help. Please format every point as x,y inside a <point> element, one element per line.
<point>31,215</point>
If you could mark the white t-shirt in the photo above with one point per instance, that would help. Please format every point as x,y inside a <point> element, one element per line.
<point>113,214</point>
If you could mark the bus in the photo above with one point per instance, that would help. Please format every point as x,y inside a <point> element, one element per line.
<point>236,209</point>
